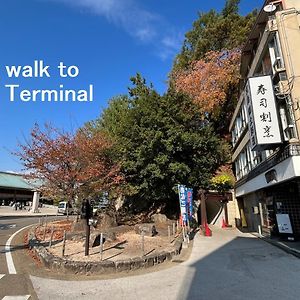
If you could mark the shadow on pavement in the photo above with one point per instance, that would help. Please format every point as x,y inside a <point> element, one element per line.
<point>243,268</point>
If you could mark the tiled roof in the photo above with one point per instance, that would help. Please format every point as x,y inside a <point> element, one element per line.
<point>10,180</point>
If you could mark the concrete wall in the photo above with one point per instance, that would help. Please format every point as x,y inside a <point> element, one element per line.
<point>288,28</point>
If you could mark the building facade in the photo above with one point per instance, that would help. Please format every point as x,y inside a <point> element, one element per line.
<point>14,188</point>
<point>266,123</point>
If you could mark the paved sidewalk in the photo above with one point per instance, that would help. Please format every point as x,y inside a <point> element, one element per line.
<point>292,247</point>
<point>8,211</point>
<point>228,265</point>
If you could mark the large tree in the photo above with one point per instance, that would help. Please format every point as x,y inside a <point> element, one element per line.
<point>207,68</point>
<point>69,166</point>
<point>161,141</point>
<point>212,84</point>
<point>214,31</point>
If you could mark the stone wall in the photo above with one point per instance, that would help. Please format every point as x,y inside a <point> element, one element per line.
<point>105,267</point>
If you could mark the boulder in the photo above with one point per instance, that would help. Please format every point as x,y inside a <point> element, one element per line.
<point>149,229</point>
<point>159,218</point>
<point>106,220</point>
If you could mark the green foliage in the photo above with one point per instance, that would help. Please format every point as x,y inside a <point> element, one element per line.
<point>161,141</point>
<point>214,31</point>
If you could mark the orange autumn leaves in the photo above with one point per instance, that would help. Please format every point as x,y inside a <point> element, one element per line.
<point>208,80</point>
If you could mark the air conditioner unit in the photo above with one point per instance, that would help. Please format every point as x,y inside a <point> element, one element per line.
<point>278,64</point>
<point>282,88</point>
<point>289,131</point>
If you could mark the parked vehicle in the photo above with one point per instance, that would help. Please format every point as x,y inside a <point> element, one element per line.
<point>64,207</point>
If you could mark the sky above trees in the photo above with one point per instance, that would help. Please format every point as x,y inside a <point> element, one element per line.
<point>108,40</point>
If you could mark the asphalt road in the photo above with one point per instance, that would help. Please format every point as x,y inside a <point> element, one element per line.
<point>15,284</point>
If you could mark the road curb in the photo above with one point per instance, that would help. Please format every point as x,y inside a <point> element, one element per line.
<point>279,245</point>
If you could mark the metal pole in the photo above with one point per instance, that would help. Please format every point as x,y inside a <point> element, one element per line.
<point>87,238</point>
<point>143,243</point>
<point>64,244</point>
<point>174,230</point>
<point>45,228</point>
<point>101,246</point>
<point>51,237</point>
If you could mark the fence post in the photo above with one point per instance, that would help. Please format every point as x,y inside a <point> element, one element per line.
<point>101,246</point>
<point>143,243</point>
<point>64,244</point>
<point>51,237</point>
<point>174,230</point>
<point>45,228</point>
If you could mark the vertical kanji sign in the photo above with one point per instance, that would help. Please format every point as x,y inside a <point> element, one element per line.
<point>263,119</point>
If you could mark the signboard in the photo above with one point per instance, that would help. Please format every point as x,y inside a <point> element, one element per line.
<point>261,107</point>
<point>186,203</point>
<point>183,202</point>
<point>190,202</point>
<point>284,223</point>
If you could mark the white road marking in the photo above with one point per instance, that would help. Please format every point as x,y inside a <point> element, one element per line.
<point>25,297</point>
<point>9,259</point>
<point>1,276</point>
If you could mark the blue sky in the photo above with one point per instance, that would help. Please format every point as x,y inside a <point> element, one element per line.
<point>109,40</point>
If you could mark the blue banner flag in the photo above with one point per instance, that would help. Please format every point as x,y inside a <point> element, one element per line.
<point>190,202</point>
<point>183,202</point>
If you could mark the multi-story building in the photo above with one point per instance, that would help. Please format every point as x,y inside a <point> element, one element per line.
<point>266,123</point>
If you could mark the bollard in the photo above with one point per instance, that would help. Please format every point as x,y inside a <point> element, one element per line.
<point>64,244</point>
<point>177,225</point>
<point>101,246</point>
<point>51,237</point>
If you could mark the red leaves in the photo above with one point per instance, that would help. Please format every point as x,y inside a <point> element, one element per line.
<point>69,164</point>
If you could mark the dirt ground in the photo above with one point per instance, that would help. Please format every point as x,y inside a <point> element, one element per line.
<point>127,245</point>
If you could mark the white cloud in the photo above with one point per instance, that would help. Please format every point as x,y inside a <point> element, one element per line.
<point>141,24</point>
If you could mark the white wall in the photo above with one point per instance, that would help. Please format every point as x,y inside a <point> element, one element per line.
<point>285,170</point>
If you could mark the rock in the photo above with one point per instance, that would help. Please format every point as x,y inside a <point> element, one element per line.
<point>106,220</point>
<point>159,218</point>
<point>95,238</point>
<point>149,229</point>
<point>78,226</point>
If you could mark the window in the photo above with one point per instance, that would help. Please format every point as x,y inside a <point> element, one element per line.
<point>246,161</point>
<point>241,122</point>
